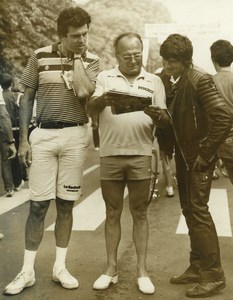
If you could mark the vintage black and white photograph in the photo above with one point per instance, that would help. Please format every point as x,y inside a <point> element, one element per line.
<point>116,149</point>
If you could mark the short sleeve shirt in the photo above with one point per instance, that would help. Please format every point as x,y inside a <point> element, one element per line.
<point>55,102</point>
<point>128,133</point>
<point>224,83</point>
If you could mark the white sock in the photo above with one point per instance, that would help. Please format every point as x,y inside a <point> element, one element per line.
<point>29,261</point>
<point>60,258</point>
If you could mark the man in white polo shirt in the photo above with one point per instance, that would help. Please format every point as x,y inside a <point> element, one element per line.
<point>125,151</point>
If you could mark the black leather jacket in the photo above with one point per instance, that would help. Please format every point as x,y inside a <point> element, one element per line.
<point>200,119</point>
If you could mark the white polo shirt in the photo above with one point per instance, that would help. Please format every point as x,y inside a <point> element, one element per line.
<point>128,133</point>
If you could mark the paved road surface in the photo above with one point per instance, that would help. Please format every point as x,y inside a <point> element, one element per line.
<point>167,254</point>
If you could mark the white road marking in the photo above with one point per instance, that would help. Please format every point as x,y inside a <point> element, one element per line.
<point>6,204</point>
<point>219,209</point>
<point>89,170</point>
<point>90,213</point>
<point>17,199</point>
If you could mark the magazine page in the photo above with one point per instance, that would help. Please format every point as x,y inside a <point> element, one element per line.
<point>123,102</point>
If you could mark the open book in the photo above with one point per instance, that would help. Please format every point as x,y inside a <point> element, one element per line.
<point>124,102</point>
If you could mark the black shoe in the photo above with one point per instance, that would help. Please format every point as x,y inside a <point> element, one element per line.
<point>185,278</point>
<point>203,291</point>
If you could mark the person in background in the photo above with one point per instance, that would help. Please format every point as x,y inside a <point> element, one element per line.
<point>18,90</point>
<point>95,132</point>
<point>6,131</point>
<point>166,142</point>
<point>125,153</point>
<point>7,143</point>
<point>166,153</point>
<point>222,58</point>
<point>13,110</point>
<point>62,76</point>
<point>201,122</point>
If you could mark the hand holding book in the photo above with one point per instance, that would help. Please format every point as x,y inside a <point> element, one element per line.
<point>158,115</point>
<point>123,102</point>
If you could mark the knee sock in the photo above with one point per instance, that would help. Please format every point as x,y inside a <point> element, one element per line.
<point>60,258</point>
<point>29,261</point>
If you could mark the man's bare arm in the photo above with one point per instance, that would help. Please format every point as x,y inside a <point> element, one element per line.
<point>25,116</point>
<point>83,86</point>
<point>25,112</point>
<point>96,104</point>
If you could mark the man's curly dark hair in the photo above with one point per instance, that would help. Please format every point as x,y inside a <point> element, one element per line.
<point>178,47</point>
<point>72,16</point>
<point>222,53</point>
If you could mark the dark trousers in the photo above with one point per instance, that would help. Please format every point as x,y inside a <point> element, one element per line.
<point>16,167</point>
<point>95,131</point>
<point>6,165</point>
<point>96,140</point>
<point>194,190</point>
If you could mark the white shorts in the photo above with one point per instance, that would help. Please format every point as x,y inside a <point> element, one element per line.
<point>58,157</point>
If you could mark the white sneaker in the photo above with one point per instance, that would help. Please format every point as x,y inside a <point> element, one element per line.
<point>104,281</point>
<point>145,285</point>
<point>21,281</point>
<point>170,191</point>
<point>66,280</point>
<point>1,236</point>
<point>9,193</point>
<point>18,188</point>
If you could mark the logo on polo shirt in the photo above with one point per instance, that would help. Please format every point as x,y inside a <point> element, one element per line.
<point>145,89</point>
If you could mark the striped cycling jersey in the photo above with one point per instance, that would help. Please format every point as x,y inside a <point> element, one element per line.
<point>55,102</point>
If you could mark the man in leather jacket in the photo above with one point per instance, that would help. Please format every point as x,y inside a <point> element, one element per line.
<point>200,122</point>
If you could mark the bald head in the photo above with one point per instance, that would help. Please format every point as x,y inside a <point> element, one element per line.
<point>128,51</point>
<point>127,35</point>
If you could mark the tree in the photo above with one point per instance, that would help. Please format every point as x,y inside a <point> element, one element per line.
<point>110,17</point>
<point>26,25</point>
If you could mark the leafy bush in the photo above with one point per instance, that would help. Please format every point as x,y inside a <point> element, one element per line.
<point>26,25</point>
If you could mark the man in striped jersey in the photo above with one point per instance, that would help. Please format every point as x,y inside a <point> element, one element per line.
<point>61,77</point>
